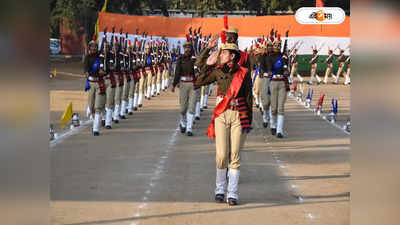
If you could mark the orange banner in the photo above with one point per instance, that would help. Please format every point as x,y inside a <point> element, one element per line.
<point>248,26</point>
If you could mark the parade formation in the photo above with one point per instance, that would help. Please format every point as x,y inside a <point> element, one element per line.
<point>121,69</point>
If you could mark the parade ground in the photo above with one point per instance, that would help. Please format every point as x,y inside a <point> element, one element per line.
<point>144,171</point>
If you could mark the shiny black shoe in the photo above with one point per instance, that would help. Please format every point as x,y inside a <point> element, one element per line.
<point>279,135</point>
<point>219,198</point>
<point>189,133</point>
<point>130,113</point>
<point>95,133</point>
<point>197,118</point>
<point>183,129</point>
<point>265,125</point>
<point>232,201</point>
<point>103,123</point>
<point>205,107</point>
<point>273,131</point>
<point>108,127</point>
<point>116,121</point>
<point>140,106</point>
<point>201,109</point>
<point>123,117</point>
<point>135,109</point>
<point>126,111</point>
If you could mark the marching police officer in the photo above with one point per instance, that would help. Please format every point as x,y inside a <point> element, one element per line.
<point>184,77</point>
<point>232,116</point>
<point>96,97</point>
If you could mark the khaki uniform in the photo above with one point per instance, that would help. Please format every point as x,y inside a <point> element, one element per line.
<point>347,81</point>
<point>341,60</point>
<point>229,133</point>
<point>96,101</point>
<point>118,91</point>
<point>187,98</point>
<point>328,70</point>
<point>148,84</point>
<point>132,86</point>
<point>184,76</point>
<point>110,94</point>
<point>227,127</point>
<point>313,73</point>
<point>228,130</point>
<point>158,81</point>
<point>204,96</point>
<point>165,76</point>
<point>278,97</point>
<point>279,87</point>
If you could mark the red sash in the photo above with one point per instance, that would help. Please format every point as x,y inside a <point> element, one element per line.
<point>225,102</point>
<point>112,80</point>
<point>120,79</point>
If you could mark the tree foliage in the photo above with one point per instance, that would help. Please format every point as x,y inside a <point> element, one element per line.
<point>83,13</point>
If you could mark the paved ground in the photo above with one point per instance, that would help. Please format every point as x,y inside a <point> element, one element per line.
<point>144,171</point>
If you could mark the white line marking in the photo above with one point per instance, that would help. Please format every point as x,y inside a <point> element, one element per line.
<point>157,171</point>
<point>282,166</point>
<point>69,133</point>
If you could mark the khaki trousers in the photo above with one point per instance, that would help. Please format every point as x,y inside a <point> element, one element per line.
<point>125,89</point>
<point>327,72</point>
<point>165,74</point>
<point>198,95</point>
<point>229,139</point>
<point>158,80</point>
<point>204,90</point>
<point>110,94</point>
<point>187,98</point>
<point>96,101</point>
<point>132,88</point>
<point>148,80</point>
<point>293,71</point>
<point>256,87</point>
<point>140,85</point>
<point>265,98</point>
<point>340,70</point>
<point>313,71</point>
<point>154,79</point>
<point>118,92</point>
<point>278,97</point>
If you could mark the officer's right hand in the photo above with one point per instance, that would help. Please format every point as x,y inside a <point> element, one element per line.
<point>213,42</point>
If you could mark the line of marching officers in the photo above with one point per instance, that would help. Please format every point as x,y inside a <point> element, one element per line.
<point>121,72</point>
<point>270,77</point>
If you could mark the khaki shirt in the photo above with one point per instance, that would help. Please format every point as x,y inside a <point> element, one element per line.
<point>224,80</point>
<point>184,66</point>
